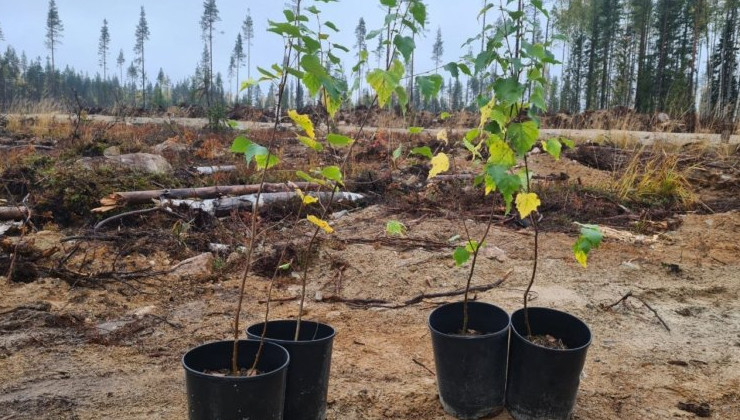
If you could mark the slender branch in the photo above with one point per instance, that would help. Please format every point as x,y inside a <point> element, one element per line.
<point>263,178</point>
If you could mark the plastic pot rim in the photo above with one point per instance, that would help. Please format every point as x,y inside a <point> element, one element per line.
<point>298,342</point>
<point>503,330</point>
<point>275,371</point>
<point>562,313</point>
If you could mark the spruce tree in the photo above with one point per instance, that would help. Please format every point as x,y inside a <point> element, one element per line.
<point>120,61</point>
<point>237,60</point>
<point>248,31</point>
<point>141,35</point>
<point>103,47</point>
<point>207,26</point>
<point>54,30</point>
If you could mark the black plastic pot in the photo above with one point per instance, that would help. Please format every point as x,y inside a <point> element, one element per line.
<point>310,362</point>
<point>542,382</point>
<point>471,369</point>
<point>212,397</point>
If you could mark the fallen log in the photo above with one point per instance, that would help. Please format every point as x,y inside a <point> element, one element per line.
<point>123,198</point>
<point>210,170</point>
<point>13,212</point>
<point>221,206</point>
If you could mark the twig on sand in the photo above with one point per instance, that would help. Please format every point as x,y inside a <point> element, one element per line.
<point>647,305</point>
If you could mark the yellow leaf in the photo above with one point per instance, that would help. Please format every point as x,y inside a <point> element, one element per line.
<point>307,199</point>
<point>442,135</point>
<point>581,257</point>
<point>526,203</point>
<point>440,163</point>
<point>323,224</point>
<point>304,122</point>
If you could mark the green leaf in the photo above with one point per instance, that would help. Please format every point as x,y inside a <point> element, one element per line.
<point>332,173</point>
<point>284,267</point>
<point>240,144</point>
<point>537,98</point>
<point>308,178</point>
<point>508,90</point>
<point>460,255</point>
<point>389,3</point>
<point>263,162</point>
<point>553,147</point>
<point>247,84</point>
<point>423,151</point>
<point>444,115</point>
<point>253,150</point>
<point>452,68</point>
<point>311,143</point>
<point>338,140</point>
<point>419,12</point>
<point>283,29</point>
<point>499,178</point>
<point>500,153</point>
<point>397,153</point>
<point>416,130</point>
<point>472,246</point>
<point>567,142</point>
<point>331,26</point>
<point>523,136</point>
<point>405,45</point>
<point>385,82</point>
<point>395,228</point>
<point>429,86</point>
<point>589,239</point>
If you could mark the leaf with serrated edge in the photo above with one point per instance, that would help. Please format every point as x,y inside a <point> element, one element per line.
<point>323,224</point>
<point>526,203</point>
<point>338,140</point>
<point>304,122</point>
<point>311,143</point>
<point>440,163</point>
<point>553,147</point>
<point>423,151</point>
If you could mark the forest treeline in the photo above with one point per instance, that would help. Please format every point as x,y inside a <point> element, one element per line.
<point>679,57</point>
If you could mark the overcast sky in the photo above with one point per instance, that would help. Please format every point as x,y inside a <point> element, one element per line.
<point>175,43</point>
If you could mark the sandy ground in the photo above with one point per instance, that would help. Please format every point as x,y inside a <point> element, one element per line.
<point>71,351</point>
<point>82,359</point>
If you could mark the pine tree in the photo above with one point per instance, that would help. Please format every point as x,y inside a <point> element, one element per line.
<point>207,26</point>
<point>438,50</point>
<point>2,37</point>
<point>54,29</point>
<point>142,34</point>
<point>103,47</point>
<point>120,61</point>
<point>248,31</point>
<point>237,60</point>
<point>361,45</point>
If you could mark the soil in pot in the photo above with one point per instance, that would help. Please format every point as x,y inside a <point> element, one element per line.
<point>542,381</point>
<point>310,363</point>
<point>218,396</point>
<point>471,368</point>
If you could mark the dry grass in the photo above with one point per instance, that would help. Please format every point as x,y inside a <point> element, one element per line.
<point>659,179</point>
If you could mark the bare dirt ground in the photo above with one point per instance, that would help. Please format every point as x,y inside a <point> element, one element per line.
<point>77,349</point>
